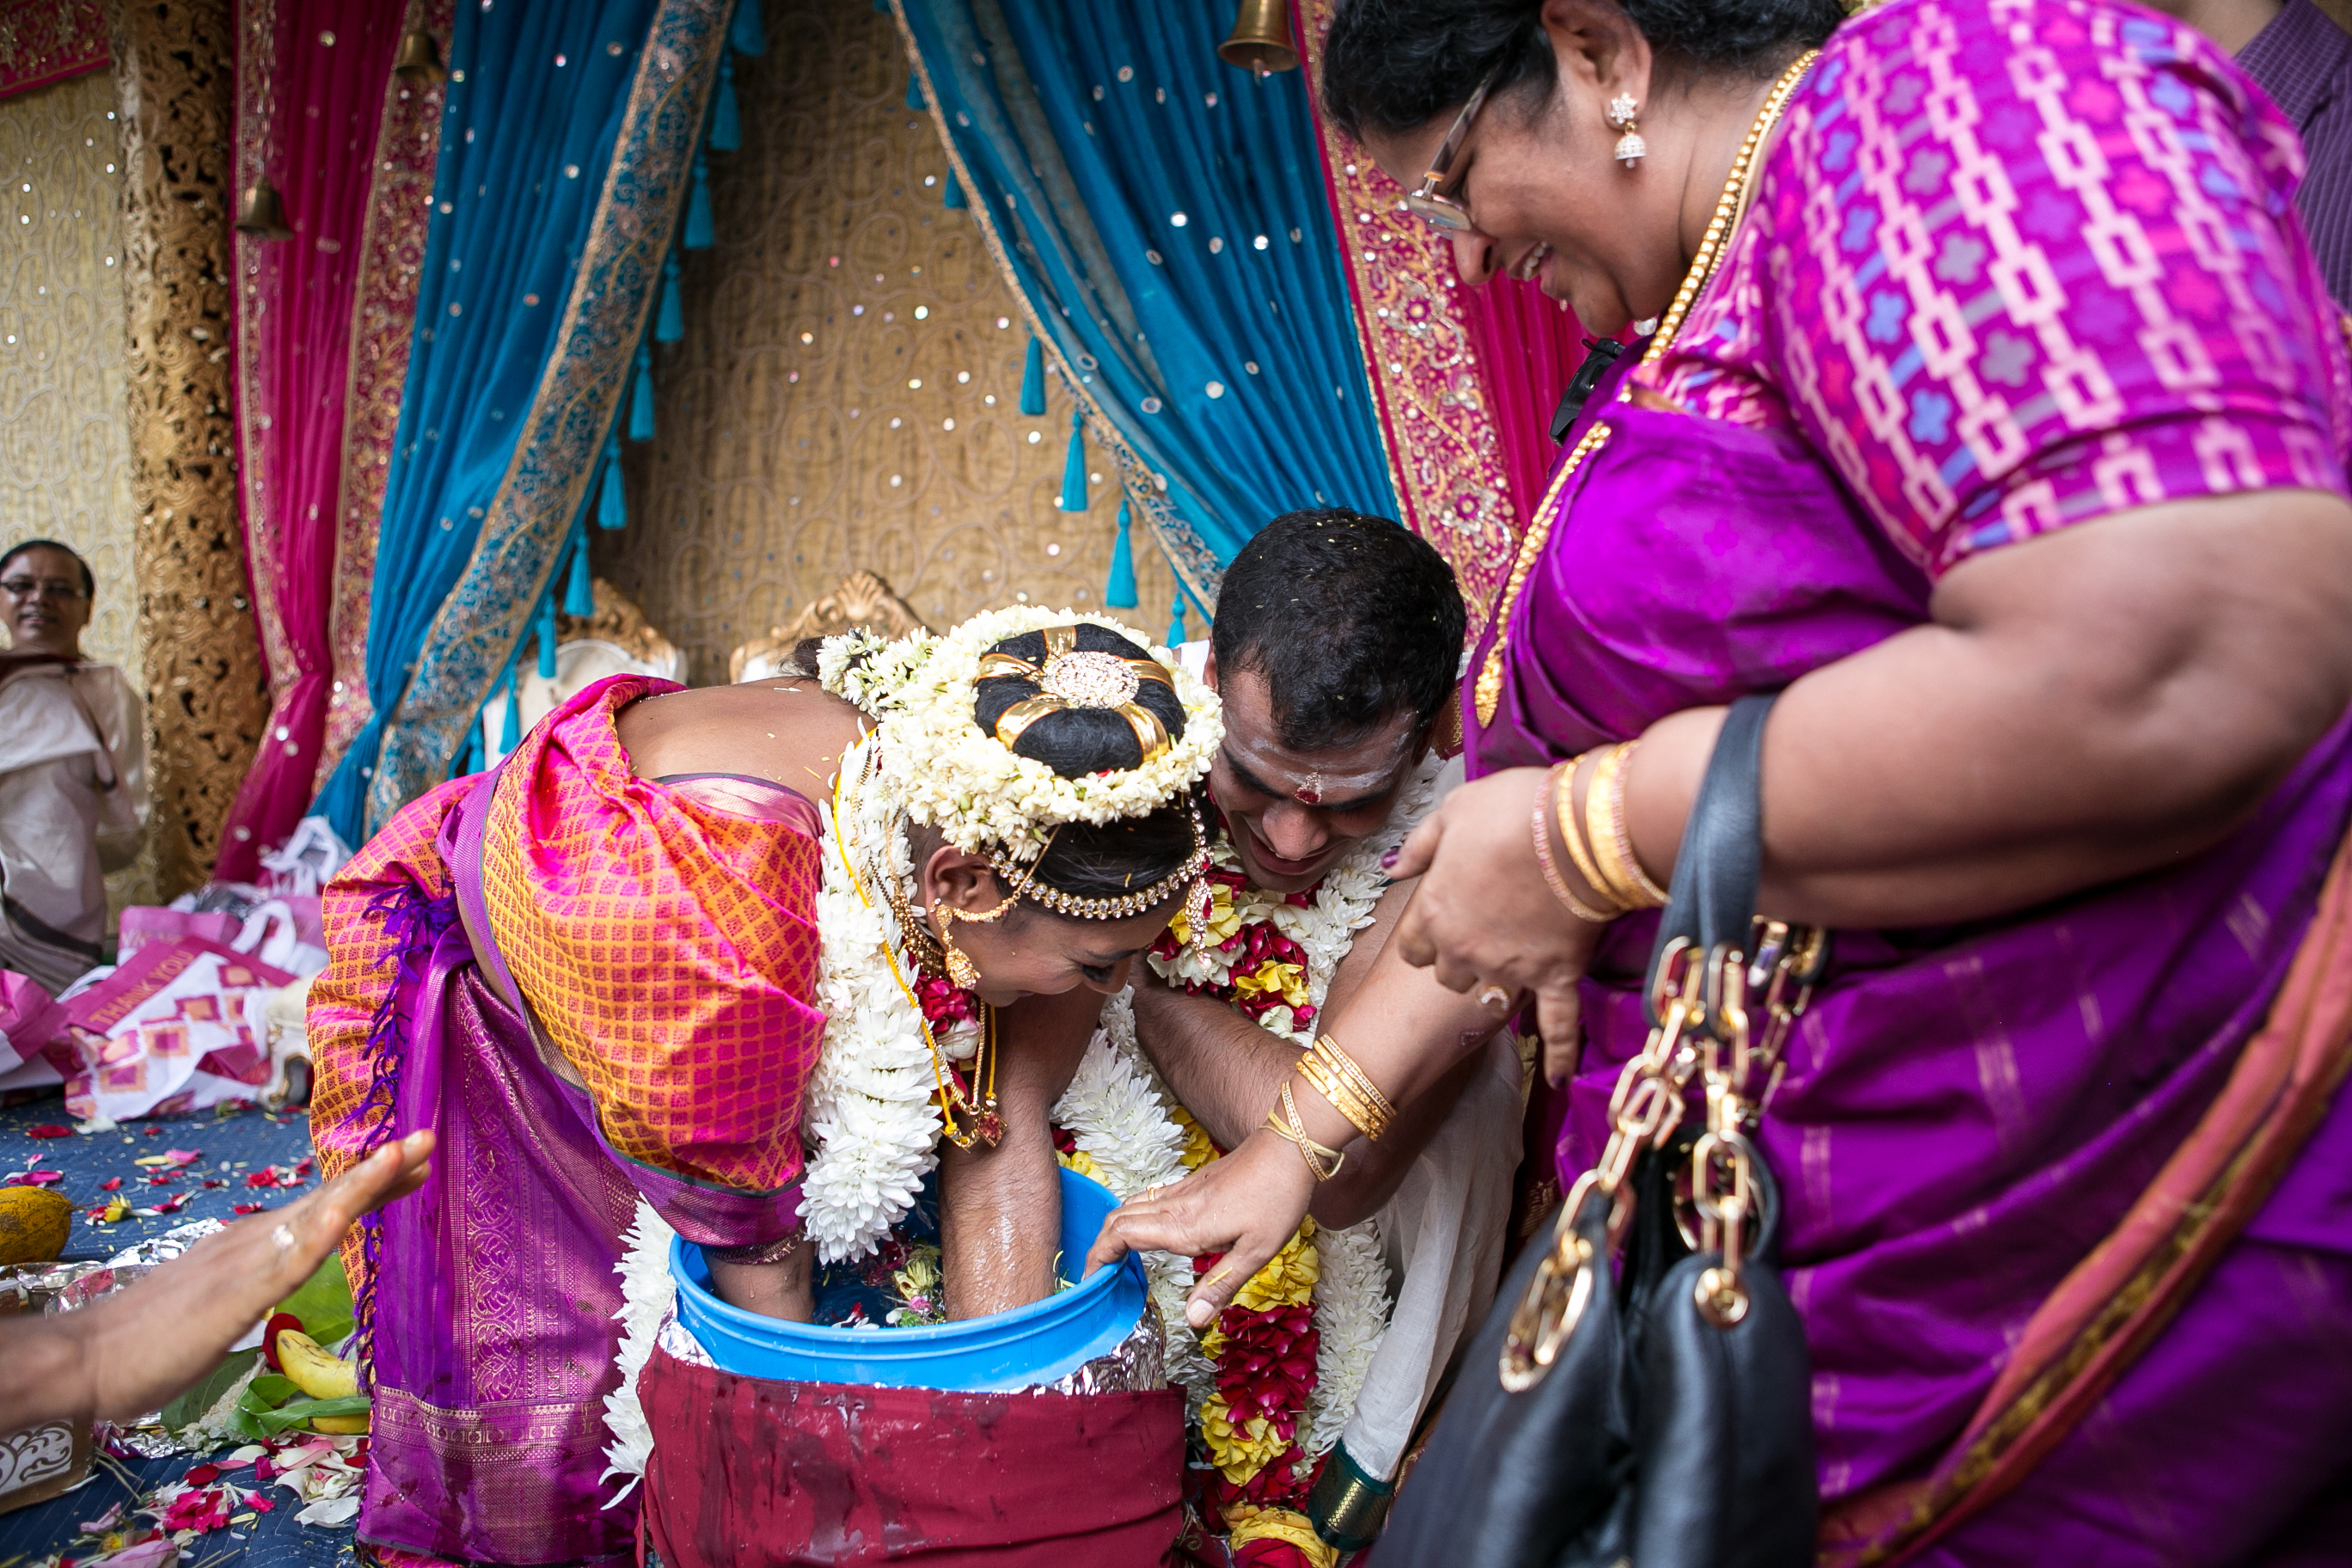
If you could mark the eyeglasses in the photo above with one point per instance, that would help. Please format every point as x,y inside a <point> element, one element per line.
<point>53,588</point>
<point>1443,213</point>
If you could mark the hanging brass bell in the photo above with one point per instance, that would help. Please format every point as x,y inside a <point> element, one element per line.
<point>419,59</point>
<point>1260,40</point>
<point>261,214</point>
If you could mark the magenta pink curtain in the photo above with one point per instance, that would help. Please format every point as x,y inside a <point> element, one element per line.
<point>311,82</point>
<point>1527,347</point>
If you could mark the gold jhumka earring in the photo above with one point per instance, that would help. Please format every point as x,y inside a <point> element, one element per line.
<point>1624,116</point>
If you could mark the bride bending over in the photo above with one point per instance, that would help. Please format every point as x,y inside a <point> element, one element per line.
<point>762,955</point>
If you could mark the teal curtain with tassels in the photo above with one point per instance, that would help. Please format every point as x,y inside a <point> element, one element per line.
<point>1162,216</point>
<point>536,107</point>
<point>532,533</point>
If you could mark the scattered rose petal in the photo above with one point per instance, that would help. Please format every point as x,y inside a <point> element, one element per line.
<point>111,1185</point>
<point>184,1156</point>
<point>50,1129</point>
<point>247,1208</point>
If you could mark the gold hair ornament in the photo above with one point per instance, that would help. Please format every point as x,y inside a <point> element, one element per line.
<point>1074,906</point>
<point>1071,678</point>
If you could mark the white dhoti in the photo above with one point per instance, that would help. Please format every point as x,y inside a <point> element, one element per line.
<point>1444,1231</point>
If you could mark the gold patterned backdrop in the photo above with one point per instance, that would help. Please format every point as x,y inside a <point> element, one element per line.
<point>206,697</point>
<point>846,393</point>
<point>64,463</point>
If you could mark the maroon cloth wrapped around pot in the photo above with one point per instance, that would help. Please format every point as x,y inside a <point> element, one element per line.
<point>749,1469</point>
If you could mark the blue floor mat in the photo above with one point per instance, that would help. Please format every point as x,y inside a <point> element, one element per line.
<point>235,1145</point>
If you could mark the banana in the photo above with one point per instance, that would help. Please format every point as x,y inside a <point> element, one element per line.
<point>339,1425</point>
<point>314,1372</point>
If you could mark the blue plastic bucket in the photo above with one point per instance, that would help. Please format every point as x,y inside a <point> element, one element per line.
<point>1037,1344</point>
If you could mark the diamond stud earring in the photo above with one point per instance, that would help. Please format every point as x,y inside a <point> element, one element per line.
<point>1623,115</point>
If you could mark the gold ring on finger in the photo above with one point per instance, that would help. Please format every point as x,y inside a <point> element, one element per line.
<point>1495,996</point>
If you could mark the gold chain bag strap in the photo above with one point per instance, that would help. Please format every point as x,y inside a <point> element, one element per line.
<point>1659,1411</point>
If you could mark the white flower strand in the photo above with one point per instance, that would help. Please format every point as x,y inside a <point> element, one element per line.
<point>1116,1109</point>
<point>869,1123</point>
<point>1353,1304</point>
<point>647,1295</point>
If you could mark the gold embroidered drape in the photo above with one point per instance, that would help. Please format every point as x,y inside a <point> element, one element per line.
<point>1443,452</point>
<point>384,313</point>
<point>205,698</point>
<point>781,463</point>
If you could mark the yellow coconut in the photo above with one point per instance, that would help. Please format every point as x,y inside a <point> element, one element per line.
<point>34,1222</point>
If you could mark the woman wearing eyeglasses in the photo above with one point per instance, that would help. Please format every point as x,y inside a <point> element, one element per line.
<point>73,769</point>
<point>1996,415</point>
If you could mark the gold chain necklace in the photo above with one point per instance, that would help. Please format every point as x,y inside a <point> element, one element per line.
<point>986,1124</point>
<point>1489,692</point>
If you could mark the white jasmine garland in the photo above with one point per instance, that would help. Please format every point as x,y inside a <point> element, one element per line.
<point>648,1293</point>
<point>1351,1314</point>
<point>869,1121</point>
<point>1116,1109</point>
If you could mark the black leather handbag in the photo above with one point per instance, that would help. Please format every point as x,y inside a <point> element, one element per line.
<point>1658,1413</point>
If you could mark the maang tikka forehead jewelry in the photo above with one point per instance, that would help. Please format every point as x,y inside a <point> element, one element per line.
<point>1624,115</point>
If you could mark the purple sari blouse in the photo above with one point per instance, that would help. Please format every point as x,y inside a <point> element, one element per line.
<point>2013,265</point>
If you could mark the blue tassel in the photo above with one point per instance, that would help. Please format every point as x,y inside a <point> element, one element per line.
<point>747,35</point>
<point>547,635</point>
<point>669,322</point>
<point>641,397</point>
<point>473,763</point>
<point>510,723</point>
<point>955,192</point>
<point>915,93</point>
<point>1176,637</point>
<point>1120,591</point>
<point>1033,380</point>
<point>613,502</point>
<point>579,598</point>
<point>697,209</point>
<point>726,119</point>
<point>1074,467</point>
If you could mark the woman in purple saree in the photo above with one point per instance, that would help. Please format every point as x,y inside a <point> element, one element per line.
<point>2005,435</point>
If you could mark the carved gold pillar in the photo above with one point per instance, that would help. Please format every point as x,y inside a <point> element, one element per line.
<point>207,699</point>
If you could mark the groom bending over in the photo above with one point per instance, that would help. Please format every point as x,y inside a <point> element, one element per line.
<point>1336,647</point>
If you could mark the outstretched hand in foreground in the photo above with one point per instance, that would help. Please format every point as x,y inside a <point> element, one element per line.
<point>131,1353</point>
<point>1246,1205</point>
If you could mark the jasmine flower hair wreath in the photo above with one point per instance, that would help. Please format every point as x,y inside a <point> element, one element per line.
<point>948,774</point>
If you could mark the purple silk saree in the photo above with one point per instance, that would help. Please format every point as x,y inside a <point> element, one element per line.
<point>489,1296</point>
<point>1939,331</point>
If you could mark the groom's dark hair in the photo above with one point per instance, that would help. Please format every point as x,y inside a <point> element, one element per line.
<point>1350,619</point>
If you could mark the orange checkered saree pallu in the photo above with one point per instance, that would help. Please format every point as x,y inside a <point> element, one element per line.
<point>662,935</point>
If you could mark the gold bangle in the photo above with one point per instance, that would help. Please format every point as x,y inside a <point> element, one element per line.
<point>1604,812</point>
<point>1311,1152</point>
<point>1326,1052</point>
<point>1573,832</point>
<point>1342,1097</point>
<point>1544,794</point>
